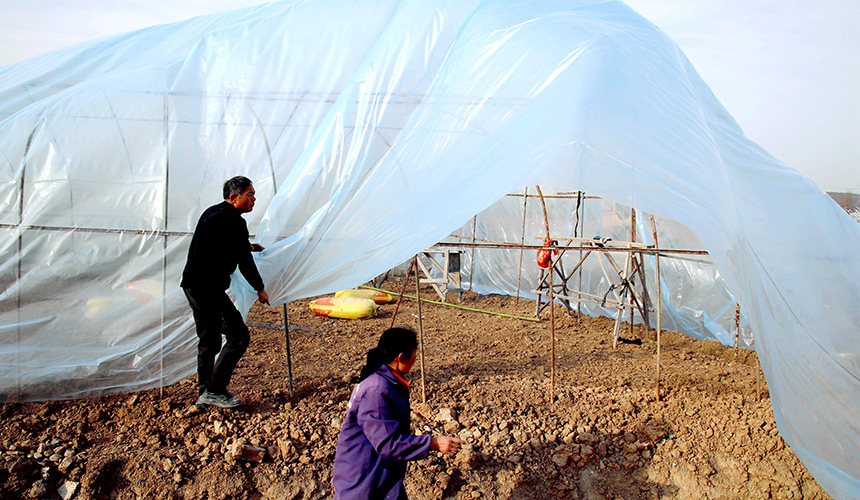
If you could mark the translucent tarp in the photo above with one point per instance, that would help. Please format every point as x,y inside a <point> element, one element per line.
<point>372,131</point>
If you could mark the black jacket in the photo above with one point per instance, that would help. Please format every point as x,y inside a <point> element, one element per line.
<point>220,243</point>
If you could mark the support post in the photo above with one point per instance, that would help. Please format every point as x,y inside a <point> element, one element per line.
<point>659,302</point>
<point>403,289</point>
<point>421,338</point>
<point>737,327</point>
<point>289,355</point>
<point>551,301</point>
<point>472,259</point>
<point>632,275</point>
<point>522,242</point>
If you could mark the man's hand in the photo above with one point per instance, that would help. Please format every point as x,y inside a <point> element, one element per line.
<point>445,444</point>
<point>256,247</point>
<point>263,296</point>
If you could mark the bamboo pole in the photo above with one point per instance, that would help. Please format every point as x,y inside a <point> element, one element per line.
<point>623,295</point>
<point>472,258</point>
<point>551,298</point>
<point>560,196</point>
<point>659,303</point>
<point>403,289</point>
<point>580,218</point>
<point>289,354</point>
<point>456,306</point>
<point>737,328</point>
<point>164,238</point>
<point>638,248</point>
<point>632,276</point>
<point>522,242</point>
<point>19,266</point>
<point>421,337</point>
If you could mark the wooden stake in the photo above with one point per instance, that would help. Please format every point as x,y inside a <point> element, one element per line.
<point>403,289</point>
<point>737,328</point>
<point>522,242</point>
<point>758,380</point>
<point>659,303</point>
<point>289,355</point>
<point>421,337</point>
<point>472,263</point>
<point>632,276</point>
<point>551,299</point>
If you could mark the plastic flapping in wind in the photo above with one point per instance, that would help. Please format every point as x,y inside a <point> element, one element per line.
<point>371,132</point>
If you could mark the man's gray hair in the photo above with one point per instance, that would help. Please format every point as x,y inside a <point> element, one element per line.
<point>236,186</point>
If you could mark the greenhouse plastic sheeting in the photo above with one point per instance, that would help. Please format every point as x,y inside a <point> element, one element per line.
<point>372,131</point>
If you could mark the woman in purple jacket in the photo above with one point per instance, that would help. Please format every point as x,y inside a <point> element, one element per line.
<point>375,441</point>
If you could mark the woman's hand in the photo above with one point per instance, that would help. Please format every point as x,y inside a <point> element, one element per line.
<point>445,444</point>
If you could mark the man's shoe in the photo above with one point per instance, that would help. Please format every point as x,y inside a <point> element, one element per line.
<point>225,400</point>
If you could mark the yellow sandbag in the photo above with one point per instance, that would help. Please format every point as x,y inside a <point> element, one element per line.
<point>344,307</point>
<point>378,297</point>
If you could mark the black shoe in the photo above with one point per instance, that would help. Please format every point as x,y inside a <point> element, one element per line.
<point>225,400</point>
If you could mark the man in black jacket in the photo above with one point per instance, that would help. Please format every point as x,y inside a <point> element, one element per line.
<point>220,244</point>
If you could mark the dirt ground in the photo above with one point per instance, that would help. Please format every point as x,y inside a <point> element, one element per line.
<point>604,434</point>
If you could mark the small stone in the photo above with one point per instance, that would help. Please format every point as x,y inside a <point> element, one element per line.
<point>66,464</point>
<point>56,457</point>
<point>67,490</point>
<point>451,427</point>
<point>446,415</point>
<point>253,453</point>
<point>466,458</point>
<point>496,438</point>
<point>561,458</point>
<point>587,438</point>
<point>39,489</point>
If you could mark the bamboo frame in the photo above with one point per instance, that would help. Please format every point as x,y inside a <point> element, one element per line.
<point>420,335</point>
<point>440,285</point>
<point>472,256</point>
<point>289,355</point>
<point>522,241</point>
<point>551,300</point>
<point>659,304</point>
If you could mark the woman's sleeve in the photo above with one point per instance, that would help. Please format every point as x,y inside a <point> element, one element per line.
<point>378,419</point>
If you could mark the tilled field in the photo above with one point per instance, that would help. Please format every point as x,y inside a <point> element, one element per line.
<point>602,434</point>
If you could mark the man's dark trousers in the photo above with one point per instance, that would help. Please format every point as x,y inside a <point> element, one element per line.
<point>215,315</point>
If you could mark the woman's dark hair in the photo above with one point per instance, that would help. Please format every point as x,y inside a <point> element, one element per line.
<point>392,342</point>
<point>237,185</point>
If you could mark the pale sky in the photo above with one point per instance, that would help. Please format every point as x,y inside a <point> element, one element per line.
<point>787,70</point>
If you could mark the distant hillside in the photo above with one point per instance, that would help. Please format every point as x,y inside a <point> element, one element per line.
<point>849,201</point>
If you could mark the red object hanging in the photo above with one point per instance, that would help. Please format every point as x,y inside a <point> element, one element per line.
<point>544,254</point>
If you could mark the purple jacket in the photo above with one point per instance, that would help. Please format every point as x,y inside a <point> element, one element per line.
<point>375,440</point>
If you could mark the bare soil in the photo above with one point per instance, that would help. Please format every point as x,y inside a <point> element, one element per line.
<point>602,433</point>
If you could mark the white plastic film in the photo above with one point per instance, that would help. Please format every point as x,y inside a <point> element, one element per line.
<point>374,131</point>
